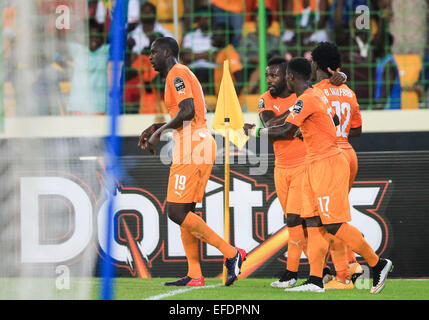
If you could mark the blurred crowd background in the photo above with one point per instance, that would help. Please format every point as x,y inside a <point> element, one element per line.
<point>386,57</point>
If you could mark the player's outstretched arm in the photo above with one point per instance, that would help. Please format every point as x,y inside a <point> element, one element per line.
<point>186,113</point>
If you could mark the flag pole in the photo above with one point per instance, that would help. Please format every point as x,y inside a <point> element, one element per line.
<point>227,183</point>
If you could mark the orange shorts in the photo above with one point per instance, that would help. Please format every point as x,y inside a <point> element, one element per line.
<point>187,182</point>
<point>190,172</point>
<point>288,183</point>
<point>325,190</point>
<point>352,159</point>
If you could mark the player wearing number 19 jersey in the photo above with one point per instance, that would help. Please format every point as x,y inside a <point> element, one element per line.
<point>344,103</point>
<point>193,158</point>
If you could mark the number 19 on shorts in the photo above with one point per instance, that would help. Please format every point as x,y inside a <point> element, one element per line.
<point>180,182</point>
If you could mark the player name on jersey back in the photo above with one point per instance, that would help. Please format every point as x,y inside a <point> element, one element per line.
<point>340,92</point>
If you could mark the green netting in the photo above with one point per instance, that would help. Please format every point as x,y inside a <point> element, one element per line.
<point>394,41</point>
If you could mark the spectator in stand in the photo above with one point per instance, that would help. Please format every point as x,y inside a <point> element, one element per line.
<point>231,13</point>
<point>9,36</point>
<point>97,9</point>
<point>197,49</point>
<point>47,88</point>
<point>387,86</point>
<point>143,33</point>
<point>249,51</point>
<point>305,23</point>
<point>221,39</point>
<point>89,82</point>
<point>143,86</point>
<point>356,54</point>
<point>8,26</point>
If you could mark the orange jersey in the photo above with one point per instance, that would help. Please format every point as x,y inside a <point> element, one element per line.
<point>311,114</point>
<point>289,153</point>
<point>182,84</point>
<point>346,106</point>
<point>193,141</point>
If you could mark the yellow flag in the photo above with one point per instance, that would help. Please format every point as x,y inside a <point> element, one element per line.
<point>228,106</point>
<point>108,4</point>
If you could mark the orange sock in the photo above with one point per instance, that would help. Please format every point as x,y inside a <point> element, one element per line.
<point>351,257</point>
<point>317,249</point>
<point>199,229</point>
<point>338,250</point>
<point>354,239</point>
<point>190,244</point>
<point>295,245</point>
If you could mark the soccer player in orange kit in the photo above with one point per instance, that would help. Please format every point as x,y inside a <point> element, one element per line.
<point>326,179</point>
<point>344,102</point>
<point>190,169</point>
<point>289,165</point>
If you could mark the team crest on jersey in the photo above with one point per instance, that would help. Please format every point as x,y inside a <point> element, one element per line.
<point>298,106</point>
<point>179,84</point>
<point>261,103</point>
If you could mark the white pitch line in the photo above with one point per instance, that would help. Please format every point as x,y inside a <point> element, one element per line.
<point>180,291</point>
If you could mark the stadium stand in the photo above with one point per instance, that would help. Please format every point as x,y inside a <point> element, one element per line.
<point>299,28</point>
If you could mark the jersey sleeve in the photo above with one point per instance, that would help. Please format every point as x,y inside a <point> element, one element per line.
<point>264,104</point>
<point>300,111</point>
<point>356,118</point>
<point>180,86</point>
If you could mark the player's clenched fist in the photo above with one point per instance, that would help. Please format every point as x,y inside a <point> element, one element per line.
<point>247,127</point>
<point>147,133</point>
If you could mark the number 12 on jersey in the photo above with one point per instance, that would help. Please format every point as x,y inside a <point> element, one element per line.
<point>342,109</point>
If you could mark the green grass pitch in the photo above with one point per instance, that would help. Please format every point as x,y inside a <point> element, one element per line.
<point>243,289</point>
<point>260,289</point>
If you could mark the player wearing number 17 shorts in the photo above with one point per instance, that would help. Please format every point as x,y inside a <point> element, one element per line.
<point>193,158</point>
<point>325,187</point>
<point>343,102</point>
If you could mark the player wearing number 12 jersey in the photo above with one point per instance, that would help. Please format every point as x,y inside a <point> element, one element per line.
<point>193,159</point>
<point>343,101</point>
<point>325,187</point>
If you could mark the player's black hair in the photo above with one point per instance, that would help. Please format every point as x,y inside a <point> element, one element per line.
<point>168,43</point>
<point>327,55</point>
<point>278,61</point>
<point>300,67</point>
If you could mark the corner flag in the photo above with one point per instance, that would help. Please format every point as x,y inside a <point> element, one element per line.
<point>228,108</point>
<point>228,121</point>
